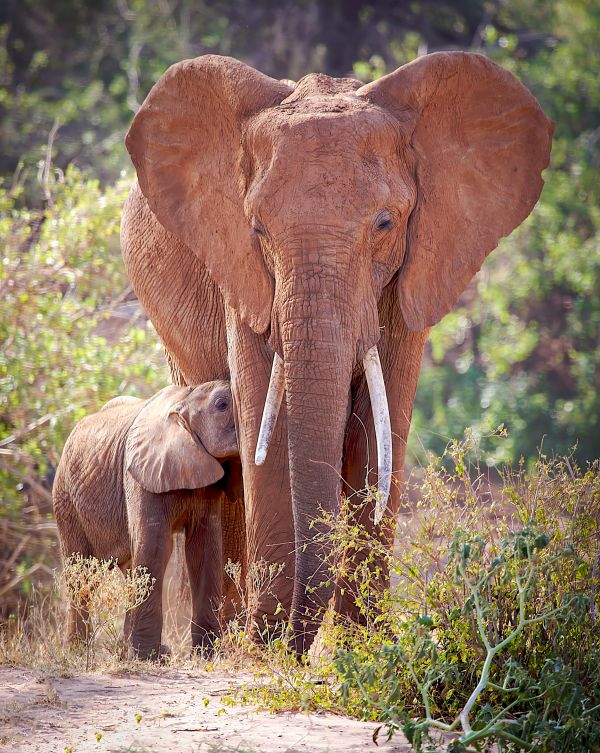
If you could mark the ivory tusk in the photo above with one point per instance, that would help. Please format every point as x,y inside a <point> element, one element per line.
<point>383,429</point>
<point>271,410</point>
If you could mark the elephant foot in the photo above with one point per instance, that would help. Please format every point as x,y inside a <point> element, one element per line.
<point>204,643</point>
<point>264,631</point>
<point>159,654</point>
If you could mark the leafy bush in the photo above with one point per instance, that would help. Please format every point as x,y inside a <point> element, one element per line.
<point>488,634</point>
<point>73,337</point>
<point>549,708</point>
<point>490,631</point>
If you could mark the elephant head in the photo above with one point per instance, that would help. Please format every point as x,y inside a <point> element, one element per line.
<point>178,438</point>
<point>305,202</point>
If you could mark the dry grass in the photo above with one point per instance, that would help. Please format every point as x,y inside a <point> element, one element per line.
<point>35,637</point>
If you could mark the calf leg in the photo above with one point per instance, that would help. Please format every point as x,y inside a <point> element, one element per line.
<point>144,623</point>
<point>204,557</point>
<point>73,540</point>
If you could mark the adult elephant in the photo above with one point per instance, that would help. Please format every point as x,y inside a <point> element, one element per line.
<point>328,224</point>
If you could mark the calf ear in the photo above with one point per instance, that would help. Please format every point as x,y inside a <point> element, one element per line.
<point>161,452</point>
<point>481,142</point>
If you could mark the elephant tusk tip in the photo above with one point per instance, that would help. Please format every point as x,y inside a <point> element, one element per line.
<point>260,456</point>
<point>381,502</point>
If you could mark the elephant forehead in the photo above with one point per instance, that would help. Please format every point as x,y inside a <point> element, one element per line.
<point>320,83</point>
<point>323,162</point>
<point>322,124</point>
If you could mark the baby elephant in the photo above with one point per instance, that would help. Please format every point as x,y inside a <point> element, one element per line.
<point>135,472</point>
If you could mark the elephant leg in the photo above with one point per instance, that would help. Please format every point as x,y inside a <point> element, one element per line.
<point>78,619</point>
<point>125,565</point>
<point>204,557</point>
<point>269,520</point>
<point>73,540</point>
<point>233,523</point>
<point>152,551</point>
<point>401,352</point>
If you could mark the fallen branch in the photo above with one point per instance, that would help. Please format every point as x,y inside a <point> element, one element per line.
<point>29,428</point>
<point>28,479</point>
<point>21,577</point>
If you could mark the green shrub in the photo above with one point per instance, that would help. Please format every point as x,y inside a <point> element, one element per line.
<point>489,632</point>
<point>63,354</point>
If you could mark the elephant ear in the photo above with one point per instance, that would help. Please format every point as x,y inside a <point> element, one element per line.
<point>481,141</point>
<point>162,453</point>
<point>185,143</point>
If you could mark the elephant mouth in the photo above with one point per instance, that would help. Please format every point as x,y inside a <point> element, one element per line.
<point>199,441</point>
<point>227,450</point>
<point>381,419</point>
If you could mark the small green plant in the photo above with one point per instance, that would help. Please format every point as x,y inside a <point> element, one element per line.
<point>281,684</point>
<point>101,595</point>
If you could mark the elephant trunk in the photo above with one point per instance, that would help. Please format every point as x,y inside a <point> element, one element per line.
<point>316,330</point>
<point>317,382</point>
<point>319,336</point>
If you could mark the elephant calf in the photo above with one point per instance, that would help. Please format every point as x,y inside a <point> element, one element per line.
<point>135,472</point>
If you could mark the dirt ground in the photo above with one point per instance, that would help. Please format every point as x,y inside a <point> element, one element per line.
<point>144,713</point>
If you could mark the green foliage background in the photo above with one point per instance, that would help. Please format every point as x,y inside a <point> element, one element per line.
<point>522,347</point>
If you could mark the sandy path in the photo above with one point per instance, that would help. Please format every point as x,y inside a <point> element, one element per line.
<point>49,715</point>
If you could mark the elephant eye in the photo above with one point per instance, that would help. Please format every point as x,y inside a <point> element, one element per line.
<point>383,221</point>
<point>221,405</point>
